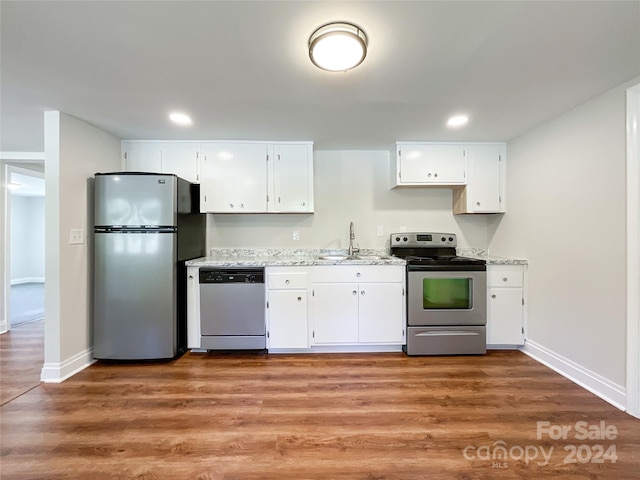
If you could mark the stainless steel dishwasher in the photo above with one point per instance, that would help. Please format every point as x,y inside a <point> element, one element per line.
<point>232,308</point>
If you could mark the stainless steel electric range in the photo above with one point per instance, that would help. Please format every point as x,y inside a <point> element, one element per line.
<point>446,295</point>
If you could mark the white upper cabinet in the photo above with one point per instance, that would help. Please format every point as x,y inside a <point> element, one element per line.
<point>178,158</point>
<point>234,177</point>
<point>256,177</point>
<point>484,192</point>
<point>141,157</point>
<point>181,159</point>
<point>426,164</point>
<point>292,178</point>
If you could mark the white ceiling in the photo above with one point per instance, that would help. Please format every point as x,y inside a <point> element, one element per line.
<point>241,68</point>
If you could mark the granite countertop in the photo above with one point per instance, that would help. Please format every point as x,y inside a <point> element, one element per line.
<point>286,257</point>
<point>245,257</point>
<point>491,259</point>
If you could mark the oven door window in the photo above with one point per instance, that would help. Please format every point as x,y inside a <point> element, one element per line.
<point>447,293</point>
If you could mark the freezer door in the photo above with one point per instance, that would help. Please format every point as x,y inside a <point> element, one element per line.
<point>131,200</point>
<point>135,296</point>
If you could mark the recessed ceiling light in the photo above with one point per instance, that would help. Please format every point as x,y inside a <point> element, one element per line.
<point>457,121</point>
<point>180,118</point>
<point>338,46</point>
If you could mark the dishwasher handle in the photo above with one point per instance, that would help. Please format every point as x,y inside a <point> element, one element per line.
<point>231,275</point>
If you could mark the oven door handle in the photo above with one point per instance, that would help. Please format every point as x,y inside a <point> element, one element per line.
<point>442,333</point>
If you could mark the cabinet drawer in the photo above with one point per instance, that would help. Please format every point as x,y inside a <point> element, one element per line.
<point>359,273</point>
<point>505,277</point>
<point>287,280</point>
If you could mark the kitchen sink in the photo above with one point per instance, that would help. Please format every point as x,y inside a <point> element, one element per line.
<point>337,257</point>
<point>353,257</point>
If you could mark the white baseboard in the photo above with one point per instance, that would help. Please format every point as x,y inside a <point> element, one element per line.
<point>340,349</point>
<point>608,391</point>
<point>503,346</point>
<point>4,326</point>
<point>59,372</point>
<point>20,281</point>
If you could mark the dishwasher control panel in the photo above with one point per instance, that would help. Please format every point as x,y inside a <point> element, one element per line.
<point>231,275</point>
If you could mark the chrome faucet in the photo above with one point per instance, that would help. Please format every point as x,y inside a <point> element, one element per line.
<point>352,237</point>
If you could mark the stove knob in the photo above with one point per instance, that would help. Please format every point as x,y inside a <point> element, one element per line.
<point>451,239</point>
<point>405,239</point>
<point>397,239</point>
<point>444,239</point>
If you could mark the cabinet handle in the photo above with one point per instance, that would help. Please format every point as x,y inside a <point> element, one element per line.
<point>231,205</point>
<point>304,204</point>
<point>505,279</point>
<point>435,175</point>
<point>242,205</point>
<point>287,282</point>
<point>355,293</point>
<point>358,274</point>
<point>478,203</point>
<point>429,175</point>
<point>493,296</point>
<point>362,292</point>
<point>299,299</point>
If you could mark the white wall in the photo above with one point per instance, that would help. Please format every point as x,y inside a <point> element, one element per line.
<point>351,186</point>
<point>566,215</point>
<point>74,152</point>
<point>27,239</point>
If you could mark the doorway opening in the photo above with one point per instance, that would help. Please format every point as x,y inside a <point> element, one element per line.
<point>25,240</point>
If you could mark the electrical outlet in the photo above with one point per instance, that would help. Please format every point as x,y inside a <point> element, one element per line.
<point>76,236</point>
<point>296,235</point>
<point>380,231</point>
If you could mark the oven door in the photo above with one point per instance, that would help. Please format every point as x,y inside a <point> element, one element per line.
<point>446,298</point>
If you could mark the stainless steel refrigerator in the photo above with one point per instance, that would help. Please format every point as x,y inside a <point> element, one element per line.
<point>146,226</point>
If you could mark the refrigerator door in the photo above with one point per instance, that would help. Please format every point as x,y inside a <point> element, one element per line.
<point>133,200</point>
<point>135,296</point>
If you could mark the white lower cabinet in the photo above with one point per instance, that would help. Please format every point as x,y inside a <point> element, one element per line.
<point>358,305</point>
<point>335,308</point>
<point>193,307</point>
<point>505,305</point>
<point>287,302</point>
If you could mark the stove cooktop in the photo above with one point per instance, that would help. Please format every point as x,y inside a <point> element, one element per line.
<point>430,250</point>
<point>441,260</point>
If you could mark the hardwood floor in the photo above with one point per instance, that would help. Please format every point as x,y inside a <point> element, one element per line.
<point>361,416</point>
<point>21,359</point>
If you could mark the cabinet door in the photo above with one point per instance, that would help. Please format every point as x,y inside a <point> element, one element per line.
<point>484,183</point>
<point>335,309</point>
<point>442,164</point>
<point>287,317</point>
<point>234,177</point>
<point>381,318</point>
<point>142,157</point>
<point>505,316</point>
<point>181,159</point>
<point>193,307</point>
<point>293,178</point>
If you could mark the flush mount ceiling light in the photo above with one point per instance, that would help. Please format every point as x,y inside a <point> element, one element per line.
<point>338,47</point>
<point>457,121</point>
<point>180,118</point>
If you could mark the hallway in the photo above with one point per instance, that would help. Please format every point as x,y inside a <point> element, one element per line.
<point>27,303</point>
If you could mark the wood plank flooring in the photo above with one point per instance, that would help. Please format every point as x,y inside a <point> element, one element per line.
<point>326,416</point>
<point>21,359</point>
